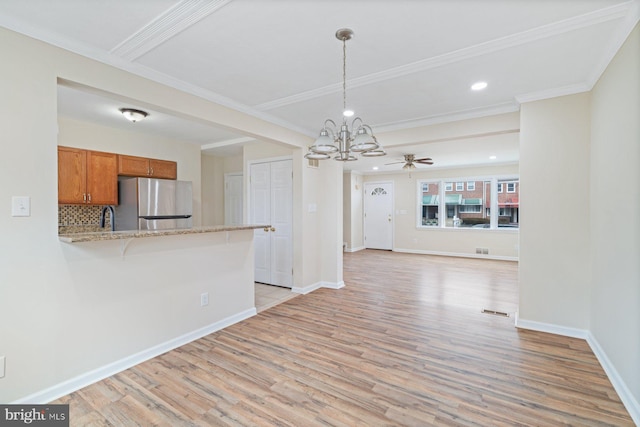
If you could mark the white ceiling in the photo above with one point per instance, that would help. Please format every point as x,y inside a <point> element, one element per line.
<point>410,63</point>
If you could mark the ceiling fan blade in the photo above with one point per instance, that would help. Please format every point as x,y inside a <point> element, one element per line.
<point>424,161</point>
<point>394,163</point>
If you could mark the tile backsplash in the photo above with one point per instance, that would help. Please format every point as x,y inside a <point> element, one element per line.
<point>80,219</point>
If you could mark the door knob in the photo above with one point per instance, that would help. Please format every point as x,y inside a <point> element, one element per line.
<point>273,229</point>
<point>266,229</point>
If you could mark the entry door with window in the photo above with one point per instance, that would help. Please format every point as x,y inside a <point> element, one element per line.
<point>271,202</point>
<point>378,216</point>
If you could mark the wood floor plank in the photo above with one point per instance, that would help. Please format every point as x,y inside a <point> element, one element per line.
<point>405,343</point>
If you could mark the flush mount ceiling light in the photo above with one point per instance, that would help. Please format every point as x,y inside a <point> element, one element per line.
<point>133,114</point>
<point>479,86</point>
<point>346,141</point>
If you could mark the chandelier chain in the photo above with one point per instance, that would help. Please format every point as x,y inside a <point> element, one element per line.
<point>344,74</point>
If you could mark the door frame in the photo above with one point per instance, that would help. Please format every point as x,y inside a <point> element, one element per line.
<point>364,210</point>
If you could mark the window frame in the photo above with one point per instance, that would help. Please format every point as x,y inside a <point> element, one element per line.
<point>471,186</point>
<point>495,182</point>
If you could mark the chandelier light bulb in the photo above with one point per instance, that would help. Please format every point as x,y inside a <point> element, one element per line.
<point>348,113</point>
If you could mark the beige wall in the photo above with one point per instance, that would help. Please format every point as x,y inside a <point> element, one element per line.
<point>353,184</point>
<point>214,169</point>
<point>615,210</point>
<point>554,225</point>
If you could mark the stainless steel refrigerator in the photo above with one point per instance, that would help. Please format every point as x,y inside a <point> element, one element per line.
<point>153,204</point>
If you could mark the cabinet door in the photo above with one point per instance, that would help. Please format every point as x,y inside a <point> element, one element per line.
<point>133,166</point>
<point>72,170</point>
<point>163,169</point>
<point>102,178</point>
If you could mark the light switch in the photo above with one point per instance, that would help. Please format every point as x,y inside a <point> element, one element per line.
<point>21,206</point>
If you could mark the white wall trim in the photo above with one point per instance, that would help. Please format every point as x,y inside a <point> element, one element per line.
<point>308,289</point>
<point>356,249</point>
<point>73,384</point>
<point>627,398</point>
<point>551,329</point>
<point>456,254</point>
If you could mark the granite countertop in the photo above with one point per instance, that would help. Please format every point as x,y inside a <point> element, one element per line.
<point>131,234</point>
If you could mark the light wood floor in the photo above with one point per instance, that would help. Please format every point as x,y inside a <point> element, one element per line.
<point>404,343</point>
<point>267,296</point>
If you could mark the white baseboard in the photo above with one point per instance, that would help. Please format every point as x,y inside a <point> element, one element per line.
<point>456,254</point>
<point>359,248</point>
<point>627,398</point>
<point>551,329</point>
<point>88,378</point>
<point>308,289</point>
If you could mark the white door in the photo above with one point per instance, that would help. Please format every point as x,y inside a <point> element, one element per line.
<point>271,201</point>
<point>378,215</point>
<point>233,199</point>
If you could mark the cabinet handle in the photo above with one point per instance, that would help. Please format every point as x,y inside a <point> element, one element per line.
<point>273,229</point>
<point>84,197</point>
<point>89,197</point>
<point>152,171</point>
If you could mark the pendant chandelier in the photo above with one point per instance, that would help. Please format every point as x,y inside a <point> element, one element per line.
<point>345,142</point>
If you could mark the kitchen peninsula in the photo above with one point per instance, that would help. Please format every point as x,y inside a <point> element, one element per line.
<point>141,293</point>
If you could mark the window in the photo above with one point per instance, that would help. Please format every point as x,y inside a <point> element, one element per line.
<point>446,204</point>
<point>471,209</point>
<point>429,204</point>
<point>509,204</point>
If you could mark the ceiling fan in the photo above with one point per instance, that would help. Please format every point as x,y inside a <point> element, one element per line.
<point>410,161</point>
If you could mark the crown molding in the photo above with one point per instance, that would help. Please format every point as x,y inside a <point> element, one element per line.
<point>553,93</point>
<point>173,21</point>
<point>226,143</point>
<point>630,21</point>
<point>514,40</point>
<point>493,110</point>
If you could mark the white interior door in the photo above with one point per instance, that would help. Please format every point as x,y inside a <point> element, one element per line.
<point>233,199</point>
<point>271,201</point>
<point>378,215</point>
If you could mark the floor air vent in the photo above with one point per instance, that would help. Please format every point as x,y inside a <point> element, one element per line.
<point>495,313</point>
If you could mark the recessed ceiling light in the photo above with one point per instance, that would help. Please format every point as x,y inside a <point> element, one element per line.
<point>492,157</point>
<point>479,85</point>
<point>375,168</point>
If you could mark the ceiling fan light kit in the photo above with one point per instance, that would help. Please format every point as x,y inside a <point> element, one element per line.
<point>357,138</point>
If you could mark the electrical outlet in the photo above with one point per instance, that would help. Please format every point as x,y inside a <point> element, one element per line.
<point>204,299</point>
<point>2,362</point>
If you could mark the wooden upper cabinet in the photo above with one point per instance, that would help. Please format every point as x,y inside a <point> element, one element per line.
<point>133,166</point>
<point>163,169</point>
<point>102,178</point>
<point>144,167</point>
<point>87,177</point>
<point>72,173</point>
